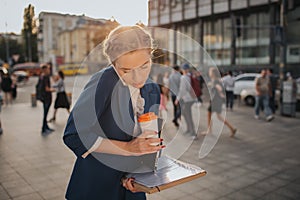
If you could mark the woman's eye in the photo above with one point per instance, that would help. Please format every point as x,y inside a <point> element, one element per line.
<point>145,67</point>
<point>126,71</point>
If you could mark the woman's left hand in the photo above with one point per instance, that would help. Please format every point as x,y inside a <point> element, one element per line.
<point>128,184</point>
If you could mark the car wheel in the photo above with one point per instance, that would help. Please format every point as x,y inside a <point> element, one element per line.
<point>250,101</point>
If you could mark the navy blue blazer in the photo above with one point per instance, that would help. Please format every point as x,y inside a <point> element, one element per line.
<point>103,109</point>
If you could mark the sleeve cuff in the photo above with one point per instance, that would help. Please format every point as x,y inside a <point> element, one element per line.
<point>93,148</point>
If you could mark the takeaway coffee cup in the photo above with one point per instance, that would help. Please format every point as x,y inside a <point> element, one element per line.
<point>149,122</point>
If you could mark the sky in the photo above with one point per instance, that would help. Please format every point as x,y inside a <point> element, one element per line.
<point>126,12</point>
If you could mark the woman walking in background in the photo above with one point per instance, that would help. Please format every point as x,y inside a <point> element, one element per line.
<point>61,100</point>
<point>216,102</point>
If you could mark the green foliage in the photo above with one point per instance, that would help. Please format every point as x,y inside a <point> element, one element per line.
<point>29,33</point>
<point>14,47</point>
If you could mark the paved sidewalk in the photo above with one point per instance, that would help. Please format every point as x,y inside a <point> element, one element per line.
<point>261,162</point>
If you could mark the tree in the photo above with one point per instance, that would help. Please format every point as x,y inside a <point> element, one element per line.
<point>29,33</point>
<point>13,48</point>
<point>103,33</point>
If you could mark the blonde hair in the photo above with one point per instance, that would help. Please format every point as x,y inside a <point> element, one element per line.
<point>214,72</point>
<point>125,39</point>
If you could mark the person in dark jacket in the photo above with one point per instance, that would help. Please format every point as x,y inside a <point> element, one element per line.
<point>46,93</point>
<point>6,86</point>
<point>101,129</point>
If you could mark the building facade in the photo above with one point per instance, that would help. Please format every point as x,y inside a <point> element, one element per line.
<point>240,35</point>
<point>64,38</point>
<point>75,44</point>
<point>50,25</point>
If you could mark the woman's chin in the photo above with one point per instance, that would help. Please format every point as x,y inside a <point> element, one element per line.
<point>138,85</point>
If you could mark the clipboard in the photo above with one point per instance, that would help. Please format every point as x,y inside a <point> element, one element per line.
<point>169,173</point>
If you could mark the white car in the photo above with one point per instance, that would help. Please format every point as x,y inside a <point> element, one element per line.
<point>248,96</point>
<point>244,81</point>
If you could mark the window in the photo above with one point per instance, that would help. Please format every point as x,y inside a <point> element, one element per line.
<point>294,51</point>
<point>247,78</point>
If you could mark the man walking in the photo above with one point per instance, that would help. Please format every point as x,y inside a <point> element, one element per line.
<point>263,93</point>
<point>186,100</point>
<point>228,82</point>
<point>46,96</point>
<point>273,82</point>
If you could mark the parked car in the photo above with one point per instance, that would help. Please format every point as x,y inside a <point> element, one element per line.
<point>248,96</point>
<point>22,77</point>
<point>33,69</point>
<point>244,81</point>
<point>73,69</point>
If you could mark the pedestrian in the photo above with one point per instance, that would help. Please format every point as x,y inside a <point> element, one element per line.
<point>61,100</point>
<point>186,100</point>
<point>174,83</point>
<point>197,84</point>
<point>263,93</point>
<point>274,85</point>
<point>164,98</point>
<point>216,102</point>
<point>6,86</point>
<point>228,82</point>
<point>46,96</point>
<point>102,122</point>
<point>14,86</point>
<point>1,101</point>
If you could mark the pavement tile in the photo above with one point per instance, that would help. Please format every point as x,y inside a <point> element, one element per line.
<point>32,196</point>
<point>3,194</point>
<point>190,187</point>
<point>277,181</point>
<point>43,185</point>
<point>221,189</point>
<point>189,198</point>
<point>224,198</point>
<point>253,191</point>
<point>172,193</point>
<point>290,174</point>
<point>9,176</point>
<point>289,192</point>
<point>155,197</point>
<point>53,193</point>
<point>14,183</point>
<point>19,191</point>
<point>239,195</point>
<point>276,196</point>
<point>206,194</point>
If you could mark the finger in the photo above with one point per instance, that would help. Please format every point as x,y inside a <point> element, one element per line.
<point>154,149</point>
<point>147,134</point>
<point>154,141</point>
<point>129,185</point>
<point>149,149</point>
<point>124,182</point>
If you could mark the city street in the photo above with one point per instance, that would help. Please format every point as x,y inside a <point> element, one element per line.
<point>261,162</point>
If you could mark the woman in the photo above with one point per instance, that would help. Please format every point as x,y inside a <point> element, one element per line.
<point>6,86</point>
<point>101,129</point>
<point>61,100</point>
<point>216,102</point>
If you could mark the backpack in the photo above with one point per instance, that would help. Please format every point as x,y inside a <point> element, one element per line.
<point>40,90</point>
<point>195,86</point>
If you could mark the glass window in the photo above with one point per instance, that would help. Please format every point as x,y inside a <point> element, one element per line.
<point>206,34</point>
<point>217,31</point>
<point>247,78</point>
<point>249,33</point>
<point>264,31</point>
<point>295,51</point>
<point>227,32</point>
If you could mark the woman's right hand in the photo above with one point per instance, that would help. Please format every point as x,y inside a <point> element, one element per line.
<point>143,144</point>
